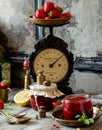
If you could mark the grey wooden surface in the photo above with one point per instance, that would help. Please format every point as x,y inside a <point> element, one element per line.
<point>34,124</point>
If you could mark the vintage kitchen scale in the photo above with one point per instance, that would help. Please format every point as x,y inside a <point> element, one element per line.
<point>51,56</point>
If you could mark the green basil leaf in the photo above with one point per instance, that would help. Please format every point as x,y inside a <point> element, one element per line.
<point>91,120</point>
<point>87,122</point>
<point>80,119</point>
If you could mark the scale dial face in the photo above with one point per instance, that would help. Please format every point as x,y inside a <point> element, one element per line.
<point>53,62</point>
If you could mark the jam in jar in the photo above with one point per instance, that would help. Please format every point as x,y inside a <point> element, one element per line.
<point>40,100</point>
<point>76,105</point>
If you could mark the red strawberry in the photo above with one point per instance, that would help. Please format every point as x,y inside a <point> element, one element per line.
<point>26,64</point>
<point>68,14</point>
<point>4,84</point>
<point>1,105</point>
<point>56,103</point>
<point>62,16</point>
<point>40,13</point>
<point>59,9</point>
<point>48,6</point>
<point>54,14</point>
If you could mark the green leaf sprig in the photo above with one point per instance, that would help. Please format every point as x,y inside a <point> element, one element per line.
<point>85,119</point>
<point>6,112</point>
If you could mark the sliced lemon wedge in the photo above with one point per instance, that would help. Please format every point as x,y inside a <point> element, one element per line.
<point>22,98</point>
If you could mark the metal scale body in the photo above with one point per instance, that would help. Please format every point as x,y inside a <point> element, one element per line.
<point>48,50</point>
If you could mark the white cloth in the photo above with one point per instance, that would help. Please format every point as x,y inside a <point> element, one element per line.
<point>47,91</point>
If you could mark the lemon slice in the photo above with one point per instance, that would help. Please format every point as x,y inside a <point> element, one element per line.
<point>22,98</point>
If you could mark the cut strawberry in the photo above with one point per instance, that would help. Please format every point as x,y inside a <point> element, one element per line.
<point>56,103</point>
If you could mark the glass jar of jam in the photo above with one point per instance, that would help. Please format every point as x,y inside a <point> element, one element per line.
<point>75,105</point>
<point>40,100</point>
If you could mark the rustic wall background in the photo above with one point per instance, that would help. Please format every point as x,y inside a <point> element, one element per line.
<point>14,22</point>
<point>83,34</point>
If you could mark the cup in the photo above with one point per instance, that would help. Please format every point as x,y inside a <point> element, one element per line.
<point>4,95</point>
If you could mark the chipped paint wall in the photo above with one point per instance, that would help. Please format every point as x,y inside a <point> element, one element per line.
<point>15,23</point>
<point>84,38</point>
<point>83,34</point>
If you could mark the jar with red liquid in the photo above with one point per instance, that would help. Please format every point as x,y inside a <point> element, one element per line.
<point>42,95</point>
<point>40,100</point>
<point>75,105</point>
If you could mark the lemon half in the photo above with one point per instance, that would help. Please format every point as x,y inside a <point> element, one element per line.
<point>22,98</point>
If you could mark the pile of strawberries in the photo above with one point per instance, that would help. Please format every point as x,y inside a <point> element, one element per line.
<point>51,11</point>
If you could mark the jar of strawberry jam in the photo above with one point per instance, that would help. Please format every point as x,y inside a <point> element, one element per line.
<point>42,95</point>
<point>75,105</point>
<point>40,100</point>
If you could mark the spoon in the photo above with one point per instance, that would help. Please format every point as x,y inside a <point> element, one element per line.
<point>18,115</point>
<point>13,120</point>
<point>23,119</point>
<point>16,118</point>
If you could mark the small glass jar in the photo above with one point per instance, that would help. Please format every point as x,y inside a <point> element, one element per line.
<point>4,95</point>
<point>40,100</point>
<point>73,106</point>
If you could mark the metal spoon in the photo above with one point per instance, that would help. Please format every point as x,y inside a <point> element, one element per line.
<point>16,118</point>
<point>18,115</point>
<point>13,120</point>
<point>23,119</point>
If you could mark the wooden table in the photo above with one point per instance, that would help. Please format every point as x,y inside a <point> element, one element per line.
<point>34,124</point>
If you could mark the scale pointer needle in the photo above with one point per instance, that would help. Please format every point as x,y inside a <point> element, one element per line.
<point>51,65</point>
